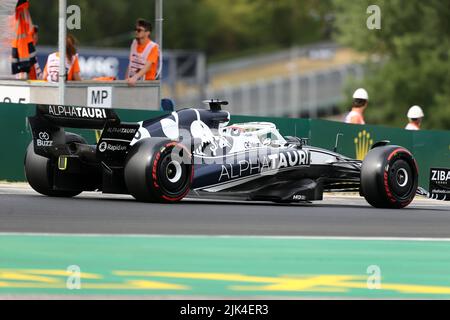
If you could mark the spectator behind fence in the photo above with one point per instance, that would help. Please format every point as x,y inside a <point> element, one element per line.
<point>415,115</point>
<point>144,55</point>
<point>360,102</point>
<point>23,55</point>
<point>35,71</point>
<point>72,72</point>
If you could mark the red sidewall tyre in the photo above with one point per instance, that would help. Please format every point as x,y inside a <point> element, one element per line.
<point>389,177</point>
<point>154,171</point>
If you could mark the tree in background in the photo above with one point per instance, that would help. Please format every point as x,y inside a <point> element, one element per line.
<point>413,46</point>
<point>219,28</point>
<point>104,23</point>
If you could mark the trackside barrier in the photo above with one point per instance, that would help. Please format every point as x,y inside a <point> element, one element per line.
<point>431,148</point>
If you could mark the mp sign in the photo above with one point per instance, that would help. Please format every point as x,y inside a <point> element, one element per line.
<point>99,97</point>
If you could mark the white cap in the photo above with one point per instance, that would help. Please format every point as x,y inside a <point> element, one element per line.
<point>361,94</point>
<point>415,112</point>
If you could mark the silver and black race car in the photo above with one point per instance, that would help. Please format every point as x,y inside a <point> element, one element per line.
<point>196,150</point>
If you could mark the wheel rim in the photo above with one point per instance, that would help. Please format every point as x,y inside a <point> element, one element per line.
<point>173,176</point>
<point>401,179</point>
<point>174,171</point>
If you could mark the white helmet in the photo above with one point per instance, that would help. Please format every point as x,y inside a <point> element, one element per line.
<point>415,112</point>
<point>361,94</point>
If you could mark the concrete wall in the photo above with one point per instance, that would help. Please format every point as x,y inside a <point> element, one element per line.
<point>144,96</point>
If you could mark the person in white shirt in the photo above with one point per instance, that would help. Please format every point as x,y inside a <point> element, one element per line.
<point>360,102</point>
<point>415,115</point>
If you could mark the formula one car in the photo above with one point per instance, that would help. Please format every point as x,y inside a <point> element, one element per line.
<point>163,159</point>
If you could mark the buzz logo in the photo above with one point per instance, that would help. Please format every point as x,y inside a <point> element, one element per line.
<point>44,140</point>
<point>44,136</point>
<point>363,142</point>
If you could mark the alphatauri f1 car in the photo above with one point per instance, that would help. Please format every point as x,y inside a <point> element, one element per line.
<point>196,150</point>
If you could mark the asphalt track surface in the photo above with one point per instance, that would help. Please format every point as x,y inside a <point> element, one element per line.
<point>24,211</point>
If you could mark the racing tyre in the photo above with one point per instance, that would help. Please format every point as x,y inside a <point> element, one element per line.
<point>39,171</point>
<point>158,170</point>
<point>389,177</point>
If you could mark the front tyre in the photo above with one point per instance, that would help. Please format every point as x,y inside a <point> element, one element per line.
<point>389,177</point>
<point>158,170</point>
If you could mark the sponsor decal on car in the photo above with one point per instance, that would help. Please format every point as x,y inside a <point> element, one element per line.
<point>116,130</point>
<point>299,197</point>
<point>104,146</point>
<point>77,112</point>
<point>116,147</point>
<point>44,140</point>
<point>265,164</point>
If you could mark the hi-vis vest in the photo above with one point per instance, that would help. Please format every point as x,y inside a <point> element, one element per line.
<point>23,55</point>
<point>53,67</point>
<point>138,60</point>
<point>35,72</point>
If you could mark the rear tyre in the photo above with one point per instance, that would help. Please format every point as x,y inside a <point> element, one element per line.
<point>389,177</point>
<point>39,171</point>
<point>158,170</point>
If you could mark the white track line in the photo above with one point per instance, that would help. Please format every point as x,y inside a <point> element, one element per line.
<point>96,235</point>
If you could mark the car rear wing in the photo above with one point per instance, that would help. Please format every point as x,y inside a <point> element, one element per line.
<point>49,137</point>
<point>76,117</point>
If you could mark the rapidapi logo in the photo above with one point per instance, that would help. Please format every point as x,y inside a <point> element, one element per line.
<point>104,146</point>
<point>363,142</point>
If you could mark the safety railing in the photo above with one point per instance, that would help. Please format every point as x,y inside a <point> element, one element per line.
<point>293,95</point>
